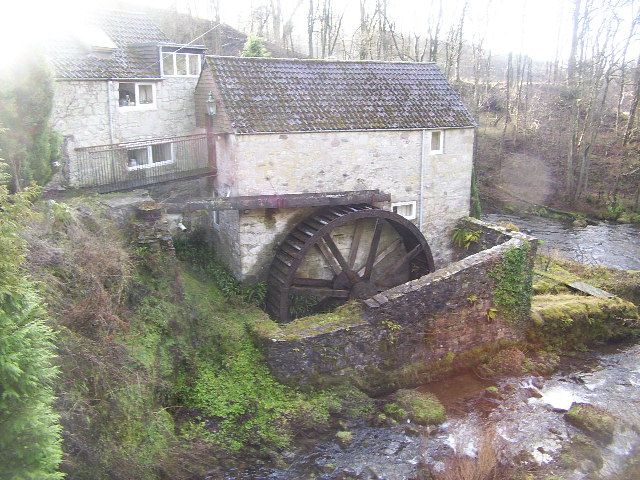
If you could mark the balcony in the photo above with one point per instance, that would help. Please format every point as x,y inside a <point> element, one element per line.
<point>125,166</point>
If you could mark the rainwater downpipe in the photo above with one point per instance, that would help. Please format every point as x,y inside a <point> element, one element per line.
<point>423,153</point>
<point>113,163</point>
<point>110,112</point>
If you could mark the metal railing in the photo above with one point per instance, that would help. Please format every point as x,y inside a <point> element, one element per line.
<point>124,166</point>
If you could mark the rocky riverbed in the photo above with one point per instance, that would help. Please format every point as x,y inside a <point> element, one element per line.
<point>519,425</point>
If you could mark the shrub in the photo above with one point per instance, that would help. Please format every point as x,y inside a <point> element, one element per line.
<point>29,429</point>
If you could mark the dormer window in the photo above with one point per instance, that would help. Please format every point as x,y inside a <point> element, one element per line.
<point>177,64</point>
<point>134,94</point>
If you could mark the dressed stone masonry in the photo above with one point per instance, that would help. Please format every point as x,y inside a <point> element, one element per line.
<point>312,126</point>
<point>97,80</point>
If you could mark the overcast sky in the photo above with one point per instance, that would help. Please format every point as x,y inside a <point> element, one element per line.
<point>539,28</point>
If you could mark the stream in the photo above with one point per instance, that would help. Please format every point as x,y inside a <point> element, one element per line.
<point>524,424</point>
<point>609,244</point>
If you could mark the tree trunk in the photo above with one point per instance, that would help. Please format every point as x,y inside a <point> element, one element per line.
<point>571,66</point>
<point>634,105</point>
<point>310,25</point>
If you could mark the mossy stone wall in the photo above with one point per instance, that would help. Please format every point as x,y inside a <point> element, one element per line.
<point>405,334</point>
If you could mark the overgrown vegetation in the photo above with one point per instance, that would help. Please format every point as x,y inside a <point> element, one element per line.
<point>464,237</point>
<point>27,142</point>
<point>30,444</point>
<point>512,293</point>
<point>159,376</point>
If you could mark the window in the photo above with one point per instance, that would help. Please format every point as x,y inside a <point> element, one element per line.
<point>150,156</point>
<point>405,209</point>
<point>437,141</point>
<point>180,64</point>
<point>215,217</point>
<point>141,95</point>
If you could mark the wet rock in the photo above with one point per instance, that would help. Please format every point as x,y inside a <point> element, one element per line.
<point>393,448</point>
<point>412,430</point>
<point>592,420</point>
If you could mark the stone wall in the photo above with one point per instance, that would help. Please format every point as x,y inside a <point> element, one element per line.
<point>341,161</point>
<point>82,111</point>
<point>407,334</point>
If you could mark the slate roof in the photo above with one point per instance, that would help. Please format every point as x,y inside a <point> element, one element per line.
<point>136,54</point>
<point>263,95</point>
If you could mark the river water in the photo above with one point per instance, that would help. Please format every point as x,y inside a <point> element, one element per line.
<point>524,421</point>
<point>609,244</point>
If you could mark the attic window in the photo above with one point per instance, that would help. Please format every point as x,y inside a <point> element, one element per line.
<point>141,95</point>
<point>175,64</point>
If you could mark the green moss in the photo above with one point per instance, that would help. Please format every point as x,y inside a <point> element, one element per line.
<point>573,321</point>
<point>422,408</point>
<point>592,420</point>
<point>232,385</point>
<point>624,284</point>
<point>344,317</point>
<point>395,411</point>
<point>512,292</point>
<point>344,437</point>
<point>492,389</point>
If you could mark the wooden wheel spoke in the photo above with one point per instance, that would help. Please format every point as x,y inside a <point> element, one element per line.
<point>355,242</point>
<point>373,250</point>
<point>392,247</point>
<point>311,282</point>
<point>336,253</point>
<point>328,257</point>
<point>405,260</point>
<point>320,291</point>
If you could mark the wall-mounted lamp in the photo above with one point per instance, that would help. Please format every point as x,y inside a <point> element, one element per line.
<point>211,105</point>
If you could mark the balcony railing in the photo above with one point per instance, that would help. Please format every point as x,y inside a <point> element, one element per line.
<point>109,168</point>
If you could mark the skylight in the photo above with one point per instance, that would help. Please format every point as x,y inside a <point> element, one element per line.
<point>94,38</point>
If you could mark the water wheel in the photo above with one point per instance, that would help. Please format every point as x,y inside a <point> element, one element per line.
<point>341,253</point>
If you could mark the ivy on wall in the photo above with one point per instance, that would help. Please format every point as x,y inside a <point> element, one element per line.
<point>512,293</point>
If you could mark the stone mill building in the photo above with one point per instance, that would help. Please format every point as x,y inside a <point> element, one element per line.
<point>328,179</point>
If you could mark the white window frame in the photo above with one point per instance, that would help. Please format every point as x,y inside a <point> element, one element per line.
<point>412,204</point>
<point>138,106</point>
<point>441,149</point>
<point>188,60</point>
<point>150,163</point>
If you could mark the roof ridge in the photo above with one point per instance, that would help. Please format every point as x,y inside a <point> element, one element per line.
<point>320,60</point>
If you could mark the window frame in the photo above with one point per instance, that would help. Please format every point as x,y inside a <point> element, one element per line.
<point>188,60</point>
<point>138,106</point>
<point>150,163</point>
<point>439,151</point>
<point>414,209</point>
